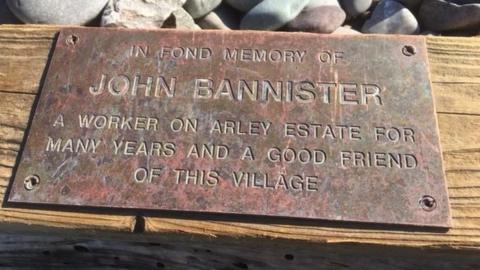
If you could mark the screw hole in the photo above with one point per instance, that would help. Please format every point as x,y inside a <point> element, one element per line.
<point>72,40</point>
<point>31,182</point>
<point>289,257</point>
<point>65,190</point>
<point>428,203</point>
<point>408,50</point>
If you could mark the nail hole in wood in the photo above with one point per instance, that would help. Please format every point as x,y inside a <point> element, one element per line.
<point>240,265</point>
<point>80,248</point>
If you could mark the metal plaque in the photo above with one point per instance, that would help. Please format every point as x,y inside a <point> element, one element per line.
<point>258,123</point>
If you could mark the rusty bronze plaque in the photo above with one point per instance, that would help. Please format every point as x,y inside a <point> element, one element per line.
<point>257,123</point>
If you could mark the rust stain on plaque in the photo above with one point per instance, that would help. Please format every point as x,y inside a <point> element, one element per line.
<point>274,124</point>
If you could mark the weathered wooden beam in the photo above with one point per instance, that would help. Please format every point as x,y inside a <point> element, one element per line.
<point>455,74</point>
<point>24,52</point>
<point>46,252</point>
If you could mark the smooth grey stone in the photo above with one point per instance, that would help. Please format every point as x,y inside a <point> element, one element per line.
<point>68,12</point>
<point>354,8</point>
<point>319,18</point>
<point>272,14</point>
<point>200,8</point>
<point>181,19</point>
<point>429,33</point>
<point>243,5</point>
<point>212,21</point>
<point>223,17</point>
<point>345,30</point>
<point>439,15</point>
<point>317,3</point>
<point>391,17</point>
<point>149,14</point>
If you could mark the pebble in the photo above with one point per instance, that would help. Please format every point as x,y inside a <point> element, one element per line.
<point>317,3</point>
<point>243,5</point>
<point>181,19</point>
<point>139,13</point>
<point>200,8</point>
<point>223,17</point>
<point>272,14</point>
<point>354,8</point>
<point>429,33</point>
<point>391,17</point>
<point>320,16</point>
<point>67,12</point>
<point>345,30</point>
<point>439,15</point>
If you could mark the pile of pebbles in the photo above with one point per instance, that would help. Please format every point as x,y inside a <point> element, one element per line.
<point>436,17</point>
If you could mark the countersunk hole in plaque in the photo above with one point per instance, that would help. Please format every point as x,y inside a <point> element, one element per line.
<point>428,203</point>
<point>65,190</point>
<point>72,39</point>
<point>31,182</point>
<point>408,50</point>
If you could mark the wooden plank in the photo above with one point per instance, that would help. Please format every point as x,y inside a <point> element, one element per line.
<point>455,72</point>
<point>46,252</point>
<point>23,56</point>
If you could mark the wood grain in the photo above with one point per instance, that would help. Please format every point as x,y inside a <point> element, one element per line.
<point>23,56</point>
<point>47,252</point>
<point>455,73</point>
